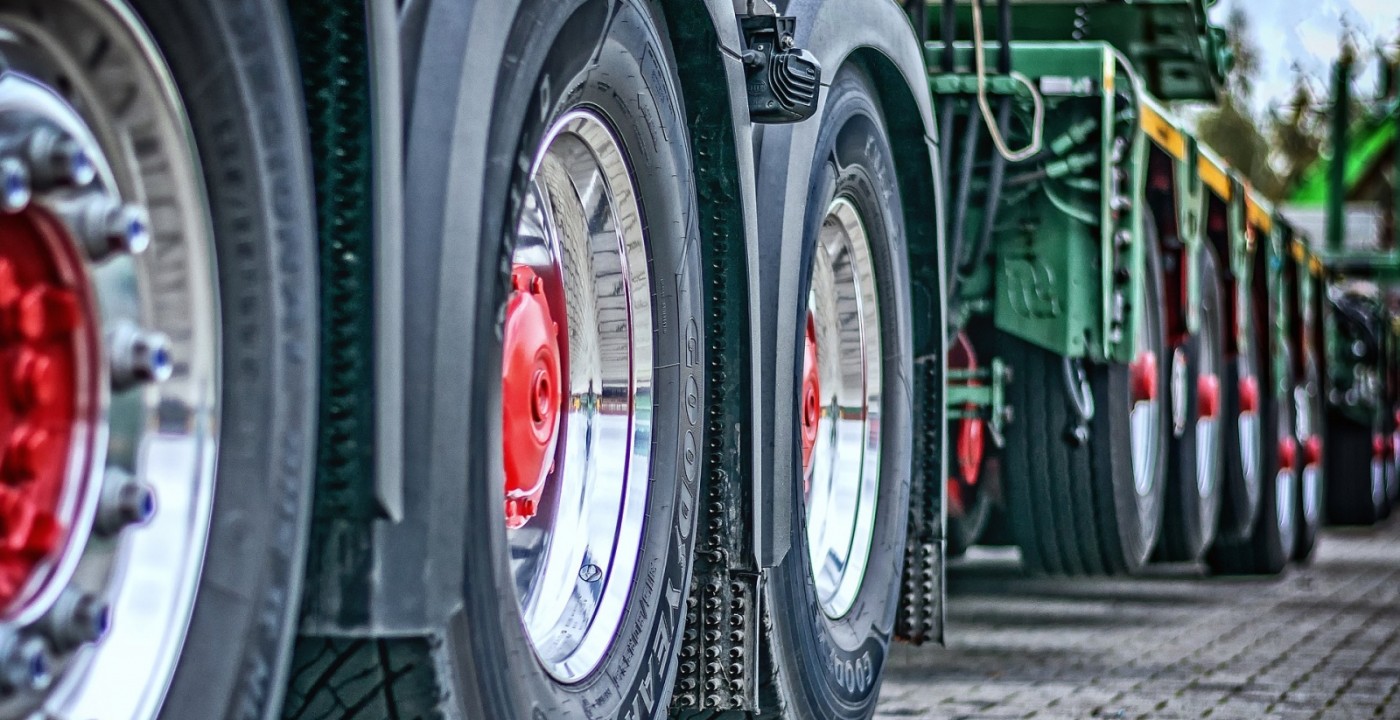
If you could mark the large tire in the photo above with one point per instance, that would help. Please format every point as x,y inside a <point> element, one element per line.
<point>829,648</point>
<point>1269,546</point>
<point>1194,466</point>
<point>1073,501</point>
<point>575,72</point>
<point>1244,432</point>
<point>1311,489</point>
<point>1355,489</point>
<point>193,111</point>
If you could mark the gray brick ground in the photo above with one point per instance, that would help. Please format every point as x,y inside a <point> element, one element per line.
<point>1320,642</point>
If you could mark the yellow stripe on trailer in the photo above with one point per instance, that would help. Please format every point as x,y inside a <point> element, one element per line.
<point>1162,132</point>
<point>1315,265</point>
<point>1300,251</point>
<point>1214,176</point>
<point>1256,215</point>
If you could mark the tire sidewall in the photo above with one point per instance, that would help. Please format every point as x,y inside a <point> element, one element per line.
<point>613,59</point>
<point>832,666</point>
<point>248,126</point>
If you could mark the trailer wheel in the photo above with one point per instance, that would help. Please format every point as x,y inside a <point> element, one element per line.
<point>1307,408</point>
<point>1355,471</point>
<point>584,387</point>
<point>1244,434</point>
<point>1269,546</point>
<point>1087,498</point>
<point>157,280</point>
<point>834,595</point>
<point>1194,465</point>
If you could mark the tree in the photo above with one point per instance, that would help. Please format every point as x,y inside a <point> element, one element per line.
<point>1230,128</point>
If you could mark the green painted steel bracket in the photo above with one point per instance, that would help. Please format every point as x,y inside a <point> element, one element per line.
<point>1192,201</point>
<point>981,393</point>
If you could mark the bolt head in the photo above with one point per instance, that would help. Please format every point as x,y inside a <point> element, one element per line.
<point>15,188</point>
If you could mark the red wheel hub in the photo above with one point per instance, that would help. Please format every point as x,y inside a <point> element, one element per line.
<point>1312,451</point>
<point>1287,454</point>
<point>1142,374</point>
<point>969,435</point>
<point>1249,395</point>
<point>811,400</point>
<point>1208,396</point>
<point>531,394</point>
<point>46,356</point>
<point>1378,446</point>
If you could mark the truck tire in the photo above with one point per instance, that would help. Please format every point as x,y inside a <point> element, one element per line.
<point>1355,489</point>
<point>1269,546</point>
<point>585,388</point>
<point>1307,408</point>
<point>1194,460</point>
<point>167,236</point>
<point>832,620</point>
<point>1244,434</point>
<point>1078,499</point>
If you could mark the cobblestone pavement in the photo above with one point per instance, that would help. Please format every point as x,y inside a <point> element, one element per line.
<point>1320,642</point>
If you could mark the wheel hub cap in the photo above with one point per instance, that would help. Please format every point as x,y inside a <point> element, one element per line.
<point>530,394</point>
<point>1208,396</point>
<point>811,401</point>
<point>47,342</point>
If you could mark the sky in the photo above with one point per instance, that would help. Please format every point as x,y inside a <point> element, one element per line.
<point>1307,32</point>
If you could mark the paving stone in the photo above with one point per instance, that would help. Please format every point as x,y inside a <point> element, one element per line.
<point>1320,642</point>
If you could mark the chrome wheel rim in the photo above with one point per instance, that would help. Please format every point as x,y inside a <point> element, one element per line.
<point>1208,430</point>
<point>1311,479</point>
<point>1145,418</point>
<point>1247,422</point>
<point>574,559</point>
<point>844,478</point>
<point>1285,485</point>
<point>123,597</point>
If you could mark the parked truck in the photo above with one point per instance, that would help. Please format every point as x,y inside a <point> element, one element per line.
<point>613,358</point>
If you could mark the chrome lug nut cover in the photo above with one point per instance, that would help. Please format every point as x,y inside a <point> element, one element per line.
<point>15,188</point>
<point>107,227</point>
<point>137,357</point>
<point>57,159</point>
<point>77,618</point>
<point>25,663</point>
<point>125,501</point>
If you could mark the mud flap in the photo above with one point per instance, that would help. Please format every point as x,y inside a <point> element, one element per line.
<point>922,588</point>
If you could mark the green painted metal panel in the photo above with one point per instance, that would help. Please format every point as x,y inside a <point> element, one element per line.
<point>1046,289</point>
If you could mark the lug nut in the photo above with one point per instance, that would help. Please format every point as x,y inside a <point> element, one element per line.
<point>77,618</point>
<point>58,160</point>
<point>25,664</point>
<point>107,227</point>
<point>137,356</point>
<point>15,189</point>
<point>125,501</point>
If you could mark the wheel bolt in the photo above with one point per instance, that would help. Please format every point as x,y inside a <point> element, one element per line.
<point>15,189</point>
<point>125,501</point>
<point>137,356</point>
<point>58,160</point>
<point>107,227</point>
<point>25,664</point>
<point>46,312</point>
<point>77,618</point>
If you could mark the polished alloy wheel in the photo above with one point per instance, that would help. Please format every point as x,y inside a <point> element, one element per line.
<point>1146,416</point>
<point>1311,460</point>
<point>845,460</point>
<point>1250,430</point>
<point>577,395</point>
<point>111,356</point>
<point>1208,430</point>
